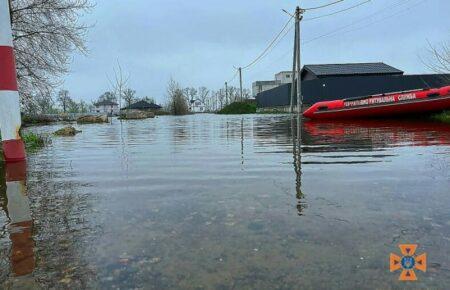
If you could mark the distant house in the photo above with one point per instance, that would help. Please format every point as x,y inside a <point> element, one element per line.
<point>143,106</point>
<point>197,106</point>
<point>107,107</point>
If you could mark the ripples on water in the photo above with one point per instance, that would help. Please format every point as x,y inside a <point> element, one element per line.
<point>209,201</point>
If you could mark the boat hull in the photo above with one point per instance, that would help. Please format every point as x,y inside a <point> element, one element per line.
<point>403,103</point>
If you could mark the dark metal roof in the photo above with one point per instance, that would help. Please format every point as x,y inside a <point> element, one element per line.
<point>142,105</point>
<point>351,69</point>
<point>106,103</point>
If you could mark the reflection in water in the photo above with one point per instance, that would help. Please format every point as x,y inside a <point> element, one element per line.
<point>297,153</point>
<point>242,143</point>
<point>208,201</point>
<point>379,133</point>
<point>16,205</point>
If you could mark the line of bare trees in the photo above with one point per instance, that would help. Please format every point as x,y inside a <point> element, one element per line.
<point>61,102</point>
<point>179,99</point>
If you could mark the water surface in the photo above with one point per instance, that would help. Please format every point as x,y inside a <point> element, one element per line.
<point>228,202</point>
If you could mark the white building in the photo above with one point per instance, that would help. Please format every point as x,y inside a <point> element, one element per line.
<point>197,106</point>
<point>285,77</point>
<point>281,78</point>
<point>261,86</point>
<point>107,107</point>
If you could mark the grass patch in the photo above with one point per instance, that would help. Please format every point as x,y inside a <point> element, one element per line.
<point>35,141</point>
<point>442,117</point>
<point>246,107</point>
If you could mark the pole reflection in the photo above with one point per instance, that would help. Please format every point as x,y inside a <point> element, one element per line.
<point>13,194</point>
<point>296,132</point>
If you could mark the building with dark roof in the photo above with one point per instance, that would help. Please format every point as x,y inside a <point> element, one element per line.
<point>319,71</point>
<point>143,106</point>
<point>333,82</point>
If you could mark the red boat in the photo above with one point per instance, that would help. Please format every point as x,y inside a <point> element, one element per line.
<point>400,103</point>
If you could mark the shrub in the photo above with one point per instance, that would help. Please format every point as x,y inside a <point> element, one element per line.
<point>246,107</point>
<point>35,141</point>
<point>177,104</point>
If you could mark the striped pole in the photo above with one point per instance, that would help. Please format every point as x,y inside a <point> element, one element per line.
<point>10,122</point>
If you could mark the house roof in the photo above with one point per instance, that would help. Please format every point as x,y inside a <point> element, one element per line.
<point>142,105</point>
<point>351,69</point>
<point>195,100</point>
<point>106,103</point>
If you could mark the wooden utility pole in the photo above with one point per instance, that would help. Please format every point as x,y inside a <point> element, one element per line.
<point>296,87</point>
<point>294,71</point>
<point>298,18</point>
<point>240,81</point>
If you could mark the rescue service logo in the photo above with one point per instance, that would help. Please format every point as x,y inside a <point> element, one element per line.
<point>408,262</point>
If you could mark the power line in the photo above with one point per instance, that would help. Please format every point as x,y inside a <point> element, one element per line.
<point>323,6</point>
<point>384,18</point>
<point>269,46</point>
<point>337,12</point>
<point>235,75</point>
<point>399,3</point>
<point>334,32</point>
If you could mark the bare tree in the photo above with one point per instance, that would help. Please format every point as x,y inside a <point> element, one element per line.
<point>45,33</point>
<point>246,94</point>
<point>177,104</point>
<point>203,93</point>
<point>64,99</point>
<point>221,97</point>
<point>40,104</point>
<point>438,59</point>
<point>72,106</point>
<point>191,93</point>
<point>119,83</point>
<point>129,96</point>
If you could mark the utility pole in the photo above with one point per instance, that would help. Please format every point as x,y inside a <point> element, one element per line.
<point>291,109</point>
<point>296,87</point>
<point>240,81</point>
<point>226,93</point>
<point>298,18</point>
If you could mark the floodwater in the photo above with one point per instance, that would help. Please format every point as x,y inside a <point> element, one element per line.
<point>228,202</point>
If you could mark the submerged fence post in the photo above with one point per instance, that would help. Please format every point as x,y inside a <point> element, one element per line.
<point>10,121</point>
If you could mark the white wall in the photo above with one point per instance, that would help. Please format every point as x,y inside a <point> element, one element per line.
<point>284,77</point>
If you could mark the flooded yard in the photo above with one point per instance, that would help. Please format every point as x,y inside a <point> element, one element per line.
<point>229,202</point>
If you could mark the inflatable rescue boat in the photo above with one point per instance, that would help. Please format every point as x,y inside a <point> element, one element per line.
<point>391,104</point>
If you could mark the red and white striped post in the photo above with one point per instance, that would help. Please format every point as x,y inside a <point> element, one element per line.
<point>22,257</point>
<point>10,121</point>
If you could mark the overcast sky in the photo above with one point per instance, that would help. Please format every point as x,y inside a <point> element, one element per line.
<point>198,42</point>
